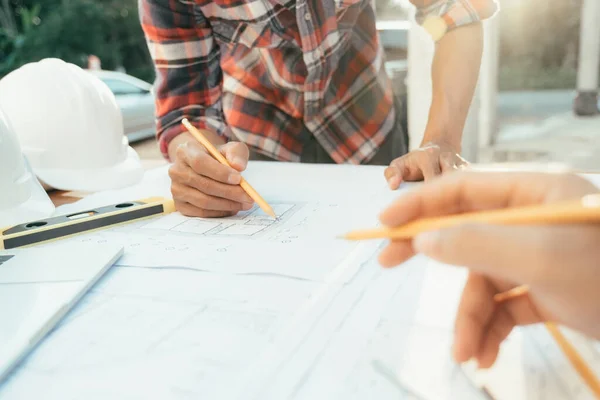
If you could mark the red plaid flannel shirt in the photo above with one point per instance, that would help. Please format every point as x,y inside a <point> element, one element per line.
<point>261,71</point>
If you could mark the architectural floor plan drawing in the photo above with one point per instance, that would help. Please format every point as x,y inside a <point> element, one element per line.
<point>249,242</point>
<point>245,224</point>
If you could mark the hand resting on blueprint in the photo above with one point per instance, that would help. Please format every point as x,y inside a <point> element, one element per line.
<point>202,186</point>
<point>424,163</point>
<point>559,263</point>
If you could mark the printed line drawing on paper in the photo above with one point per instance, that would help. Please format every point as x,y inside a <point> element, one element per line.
<point>245,224</point>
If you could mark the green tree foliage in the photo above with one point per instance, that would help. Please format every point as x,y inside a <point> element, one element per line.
<point>31,30</point>
<point>539,38</point>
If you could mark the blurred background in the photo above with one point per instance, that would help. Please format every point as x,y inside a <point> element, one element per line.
<point>534,80</point>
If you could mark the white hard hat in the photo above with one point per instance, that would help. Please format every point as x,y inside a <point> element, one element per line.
<point>70,127</point>
<point>22,198</point>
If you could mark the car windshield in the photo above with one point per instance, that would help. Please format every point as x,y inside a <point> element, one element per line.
<point>120,87</point>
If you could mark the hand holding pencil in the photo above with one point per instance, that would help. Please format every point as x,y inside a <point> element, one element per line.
<point>559,262</point>
<point>250,191</point>
<point>206,180</point>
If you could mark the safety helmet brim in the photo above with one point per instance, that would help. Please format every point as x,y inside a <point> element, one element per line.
<point>126,173</point>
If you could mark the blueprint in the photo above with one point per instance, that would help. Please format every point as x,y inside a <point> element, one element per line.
<point>302,242</point>
<point>188,334</point>
<point>152,333</point>
<point>248,308</point>
<point>384,319</point>
<point>315,204</point>
<point>247,224</point>
<point>388,335</point>
<point>538,369</point>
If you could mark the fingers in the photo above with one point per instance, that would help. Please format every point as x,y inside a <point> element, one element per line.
<point>482,324</point>
<point>405,168</point>
<point>425,163</point>
<point>393,176</point>
<point>465,191</point>
<point>237,154</point>
<point>201,200</point>
<point>218,189</point>
<point>499,328</point>
<point>202,186</point>
<point>429,168</point>
<point>411,167</point>
<point>519,311</point>
<point>396,253</point>
<point>483,248</point>
<point>181,173</point>
<point>191,210</point>
<point>504,319</point>
<point>475,311</point>
<point>202,163</point>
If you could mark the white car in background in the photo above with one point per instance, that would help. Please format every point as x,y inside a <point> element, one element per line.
<point>136,101</point>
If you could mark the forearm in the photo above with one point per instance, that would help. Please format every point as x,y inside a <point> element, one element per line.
<point>187,137</point>
<point>455,71</point>
<point>189,76</point>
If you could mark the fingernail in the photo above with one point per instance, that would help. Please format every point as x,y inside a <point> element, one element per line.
<point>426,242</point>
<point>389,173</point>
<point>234,178</point>
<point>394,182</point>
<point>240,162</point>
<point>246,206</point>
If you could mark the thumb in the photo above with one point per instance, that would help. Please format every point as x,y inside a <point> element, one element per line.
<point>503,252</point>
<point>237,154</point>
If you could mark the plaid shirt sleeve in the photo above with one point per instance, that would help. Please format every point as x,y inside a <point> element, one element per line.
<point>188,72</point>
<point>455,13</point>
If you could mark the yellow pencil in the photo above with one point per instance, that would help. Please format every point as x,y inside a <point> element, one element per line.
<point>577,362</point>
<point>583,210</point>
<point>584,371</point>
<point>217,154</point>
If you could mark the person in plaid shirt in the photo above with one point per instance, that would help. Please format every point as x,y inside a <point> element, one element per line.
<point>299,81</point>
